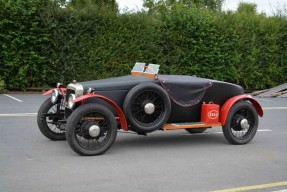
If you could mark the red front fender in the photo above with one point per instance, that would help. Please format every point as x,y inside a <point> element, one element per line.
<point>119,111</point>
<point>230,102</point>
<point>62,90</point>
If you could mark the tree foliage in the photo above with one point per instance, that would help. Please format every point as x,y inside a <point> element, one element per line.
<point>43,42</point>
<point>163,5</point>
<point>247,8</point>
<point>23,37</point>
<point>97,5</point>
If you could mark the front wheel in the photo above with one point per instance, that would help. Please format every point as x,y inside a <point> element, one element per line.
<point>49,120</point>
<point>241,123</point>
<point>91,129</point>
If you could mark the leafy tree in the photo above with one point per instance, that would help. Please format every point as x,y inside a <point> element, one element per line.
<point>103,5</point>
<point>153,5</point>
<point>248,8</point>
<point>43,42</point>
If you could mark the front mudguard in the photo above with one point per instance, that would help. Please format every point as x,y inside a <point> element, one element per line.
<point>62,90</point>
<point>120,113</point>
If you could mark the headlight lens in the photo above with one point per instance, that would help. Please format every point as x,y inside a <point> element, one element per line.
<point>71,105</point>
<point>54,96</point>
<point>59,85</point>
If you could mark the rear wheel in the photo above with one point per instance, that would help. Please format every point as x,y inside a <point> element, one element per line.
<point>91,129</point>
<point>241,123</point>
<point>197,130</point>
<point>48,119</point>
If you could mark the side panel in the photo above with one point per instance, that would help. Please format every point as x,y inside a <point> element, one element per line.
<point>218,93</point>
<point>230,102</point>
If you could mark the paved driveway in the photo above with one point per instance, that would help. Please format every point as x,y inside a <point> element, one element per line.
<point>162,161</point>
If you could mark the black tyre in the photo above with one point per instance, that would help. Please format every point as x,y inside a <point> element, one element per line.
<point>241,123</point>
<point>147,107</point>
<point>196,130</point>
<point>91,129</point>
<point>48,119</point>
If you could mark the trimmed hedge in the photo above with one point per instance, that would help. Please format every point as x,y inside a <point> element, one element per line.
<point>42,43</point>
<point>23,36</point>
<point>2,85</point>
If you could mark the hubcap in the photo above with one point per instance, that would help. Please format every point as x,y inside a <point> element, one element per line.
<point>149,108</point>
<point>94,131</point>
<point>244,124</point>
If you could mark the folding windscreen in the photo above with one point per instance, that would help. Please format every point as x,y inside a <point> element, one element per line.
<point>138,69</point>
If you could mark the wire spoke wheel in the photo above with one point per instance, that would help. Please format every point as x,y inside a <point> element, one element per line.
<point>147,107</point>
<point>236,128</point>
<point>241,123</point>
<point>55,113</point>
<point>91,129</point>
<point>82,131</point>
<point>49,120</point>
<point>140,103</point>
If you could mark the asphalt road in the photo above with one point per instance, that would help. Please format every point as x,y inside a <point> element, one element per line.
<point>162,161</point>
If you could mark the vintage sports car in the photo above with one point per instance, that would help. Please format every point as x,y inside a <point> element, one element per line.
<point>89,114</point>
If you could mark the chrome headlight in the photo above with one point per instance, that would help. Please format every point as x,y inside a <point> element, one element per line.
<point>71,98</point>
<point>59,85</point>
<point>54,96</point>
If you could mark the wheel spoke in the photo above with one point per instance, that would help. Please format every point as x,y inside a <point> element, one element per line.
<point>84,139</point>
<point>237,131</point>
<point>52,122</point>
<point>138,112</point>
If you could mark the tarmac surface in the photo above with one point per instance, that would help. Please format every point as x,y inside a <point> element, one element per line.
<point>162,161</point>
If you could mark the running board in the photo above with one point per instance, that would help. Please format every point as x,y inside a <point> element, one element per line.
<point>195,125</point>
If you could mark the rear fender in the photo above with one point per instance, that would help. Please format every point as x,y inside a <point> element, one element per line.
<point>118,110</point>
<point>230,102</point>
<point>62,90</point>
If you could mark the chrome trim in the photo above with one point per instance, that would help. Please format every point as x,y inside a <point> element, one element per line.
<point>54,96</point>
<point>71,98</point>
<point>244,124</point>
<point>78,88</point>
<point>149,108</point>
<point>94,131</point>
<point>90,90</point>
<point>59,85</point>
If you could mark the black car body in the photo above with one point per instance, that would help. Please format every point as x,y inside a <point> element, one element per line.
<point>145,102</point>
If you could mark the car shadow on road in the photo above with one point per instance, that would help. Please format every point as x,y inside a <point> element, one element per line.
<point>154,141</point>
<point>163,141</point>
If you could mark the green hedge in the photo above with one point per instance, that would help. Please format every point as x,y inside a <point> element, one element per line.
<point>2,85</point>
<point>23,37</point>
<point>42,43</point>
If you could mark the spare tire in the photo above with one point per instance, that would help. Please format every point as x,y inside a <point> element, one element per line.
<point>147,107</point>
